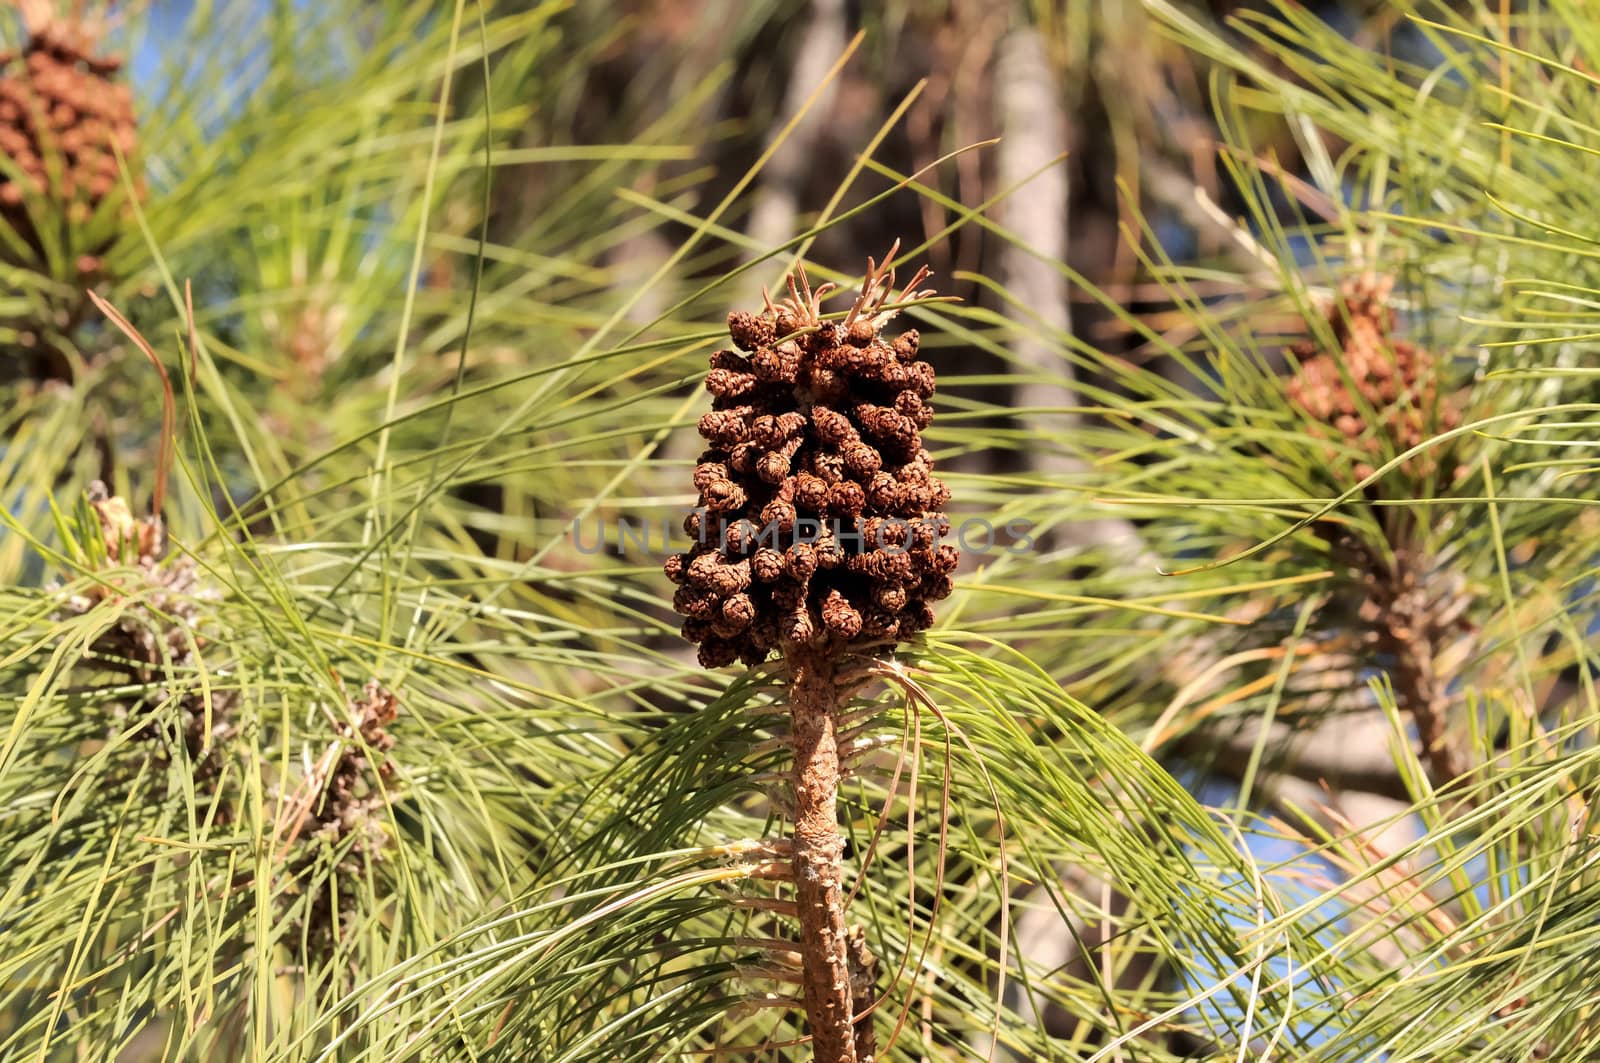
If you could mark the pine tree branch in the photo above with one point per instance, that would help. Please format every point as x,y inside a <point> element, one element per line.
<point>818,847</point>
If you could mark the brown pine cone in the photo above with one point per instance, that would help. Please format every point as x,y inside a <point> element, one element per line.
<point>820,518</point>
<point>1395,381</point>
<point>58,102</point>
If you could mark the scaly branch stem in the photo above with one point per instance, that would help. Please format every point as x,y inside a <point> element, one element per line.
<point>1409,621</point>
<point>818,848</point>
<point>1407,632</point>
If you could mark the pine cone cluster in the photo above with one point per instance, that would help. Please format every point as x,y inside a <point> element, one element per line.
<point>349,797</point>
<point>347,818</point>
<point>58,99</point>
<point>155,635</point>
<point>820,518</point>
<point>1396,380</point>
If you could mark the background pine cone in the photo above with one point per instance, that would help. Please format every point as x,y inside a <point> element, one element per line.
<point>345,827</point>
<point>58,101</point>
<point>1394,379</point>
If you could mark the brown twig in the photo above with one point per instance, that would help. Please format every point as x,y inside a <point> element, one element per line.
<point>168,404</point>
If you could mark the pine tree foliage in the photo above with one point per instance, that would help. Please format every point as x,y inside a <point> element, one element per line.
<point>326,733</point>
